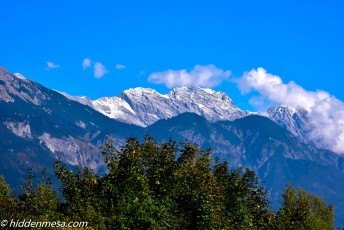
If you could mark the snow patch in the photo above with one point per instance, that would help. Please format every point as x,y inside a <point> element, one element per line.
<point>19,75</point>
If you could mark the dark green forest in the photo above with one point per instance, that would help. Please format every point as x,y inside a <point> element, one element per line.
<point>150,185</point>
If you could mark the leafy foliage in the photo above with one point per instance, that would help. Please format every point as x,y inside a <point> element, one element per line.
<point>40,201</point>
<point>8,205</point>
<point>164,186</point>
<point>245,198</point>
<point>301,210</point>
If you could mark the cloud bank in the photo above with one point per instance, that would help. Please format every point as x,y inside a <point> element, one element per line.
<point>200,76</point>
<point>326,113</point>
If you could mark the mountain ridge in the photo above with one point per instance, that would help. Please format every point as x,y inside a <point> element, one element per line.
<point>145,106</point>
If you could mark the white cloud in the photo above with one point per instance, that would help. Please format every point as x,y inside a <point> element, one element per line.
<point>120,66</point>
<point>86,63</point>
<point>51,65</point>
<point>199,76</point>
<point>99,70</point>
<point>326,113</point>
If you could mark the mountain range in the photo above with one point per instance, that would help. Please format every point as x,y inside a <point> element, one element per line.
<point>144,106</point>
<point>39,125</point>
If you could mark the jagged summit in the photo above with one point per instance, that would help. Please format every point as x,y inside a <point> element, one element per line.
<point>144,106</point>
<point>294,119</point>
<point>283,109</point>
<point>139,90</point>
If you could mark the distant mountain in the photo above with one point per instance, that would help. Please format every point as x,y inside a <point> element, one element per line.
<point>293,119</point>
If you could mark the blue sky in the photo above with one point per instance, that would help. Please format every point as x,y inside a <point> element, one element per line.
<point>301,41</point>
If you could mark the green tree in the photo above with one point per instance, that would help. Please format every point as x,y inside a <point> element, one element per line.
<point>196,191</point>
<point>136,208</point>
<point>160,166</point>
<point>301,210</point>
<point>246,202</point>
<point>39,201</point>
<point>81,190</point>
<point>8,204</point>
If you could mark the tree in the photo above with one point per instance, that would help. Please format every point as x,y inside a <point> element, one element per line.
<point>136,208</point>
<point>302,210</point>
<point>39,201</point>
<point>81,190</point>
<point>196,192</point>
<point>8,204</point>
<point>246,201</point>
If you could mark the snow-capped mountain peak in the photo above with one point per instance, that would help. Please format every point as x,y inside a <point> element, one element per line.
<point>294,119</point>
<point>144,106</point>
<point>283,110</point>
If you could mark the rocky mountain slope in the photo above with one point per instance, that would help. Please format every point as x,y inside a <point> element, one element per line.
<point>39,125</point>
